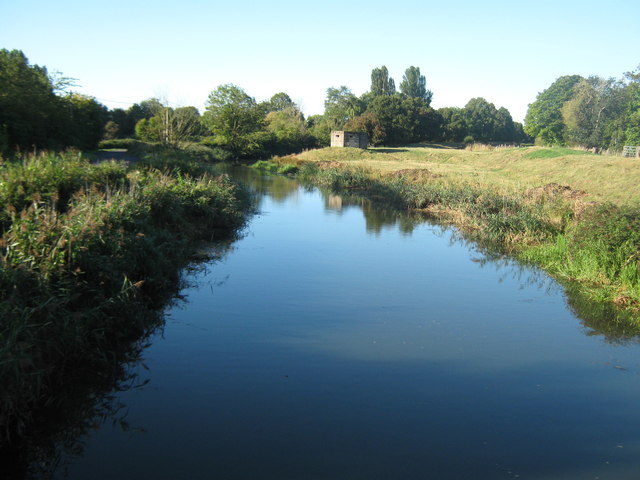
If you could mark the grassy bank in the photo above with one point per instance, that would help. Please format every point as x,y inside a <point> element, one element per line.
<point>605,179</point>
<point>86,253</point>
<point>585,235</point>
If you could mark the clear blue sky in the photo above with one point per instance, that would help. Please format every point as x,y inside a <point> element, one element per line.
<point>504,51</point>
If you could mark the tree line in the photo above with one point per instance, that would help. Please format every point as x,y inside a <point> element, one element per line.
<point>593,112</point>
<point>37,110</point>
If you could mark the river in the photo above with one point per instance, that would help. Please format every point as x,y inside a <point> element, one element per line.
<point>336,340</point>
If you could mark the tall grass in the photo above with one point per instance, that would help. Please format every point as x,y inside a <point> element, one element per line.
<point>85,249</point>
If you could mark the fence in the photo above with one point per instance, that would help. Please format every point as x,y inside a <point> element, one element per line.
<point>631,151</point>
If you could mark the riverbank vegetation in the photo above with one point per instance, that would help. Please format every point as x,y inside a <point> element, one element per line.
<point>87,252</point>
<point>587,236</point>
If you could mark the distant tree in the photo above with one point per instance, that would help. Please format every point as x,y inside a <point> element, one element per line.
<point>278,102</point>
<point>149,129</point>
<point>30,111</point>
<point>519,134</point>
<point>381,83</point>
<point>481,117</point>
<point>171,126</point>
<point>341,105</point>
<point>232,115</point>
<point>111,130</point>
<point>505,128</point>
<point>594,103</point>
<point>151,107</point>
<point>289,129</point>
<point>405,119</point>
<point>629,123</point>
<point>319,127</point>
<point>82,121</point>
<point>544,117</point>
<point>370,123</point>
<point>121,119</point>
<point>415,85</point>
<point>454,125</point>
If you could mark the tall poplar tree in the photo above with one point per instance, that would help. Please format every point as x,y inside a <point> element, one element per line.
<point>415,85</point>
<point>381,83</point>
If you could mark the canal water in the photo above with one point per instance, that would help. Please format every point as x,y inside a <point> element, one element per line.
<point>336,340</point>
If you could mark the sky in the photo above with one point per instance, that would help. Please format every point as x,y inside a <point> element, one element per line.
<point>123,52</point>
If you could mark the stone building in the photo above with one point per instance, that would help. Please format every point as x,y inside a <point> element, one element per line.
<point>340,138</point>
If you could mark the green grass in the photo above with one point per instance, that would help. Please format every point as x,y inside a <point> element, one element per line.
<point>604,179</point>
<point>553,152</point>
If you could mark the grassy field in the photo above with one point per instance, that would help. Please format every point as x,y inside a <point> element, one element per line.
<point>603,178</point>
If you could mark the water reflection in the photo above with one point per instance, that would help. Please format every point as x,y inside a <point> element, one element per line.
<point>82,404</point>
<point>86,398</point>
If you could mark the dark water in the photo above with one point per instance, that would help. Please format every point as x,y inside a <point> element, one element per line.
<point>345,342</point>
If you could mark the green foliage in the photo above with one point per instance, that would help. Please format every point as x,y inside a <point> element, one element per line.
<point>381,82</point>
<point>481,117</point>
<point>235,118</point>
<point>341,105</point>
<point>290,130</point>
<point>111,130</point>
<point>544,117</point>
<point>594,103</point>
<point>27,102</point>
<point>319,127</point>
<point>85,121</point>
<point>278,102</point>
<point>415,85</point>
<point>32,114</point>
<point>370,123</point>
<point>454,125</point>
<point>405,120</point>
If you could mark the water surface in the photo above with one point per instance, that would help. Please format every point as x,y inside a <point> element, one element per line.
<point>339,341</point>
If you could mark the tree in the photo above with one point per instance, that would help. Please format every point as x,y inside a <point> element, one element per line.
<point>381,83</point>
<point>481,117</point>
<point>544,117</point>
<point>594,103</point>
<point>505,128</point>
<point>405,119</point>
<point>29,109</point>
<point>290,130</point>
<point>454,125</point>
<point>84,122</point>
<point>279,102</point>
<point>415,85</point>
<point>319,127</point>
<point>370,123</point>
<point>232,115</point>
<point>630,122</point>
<point>341,105</point>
